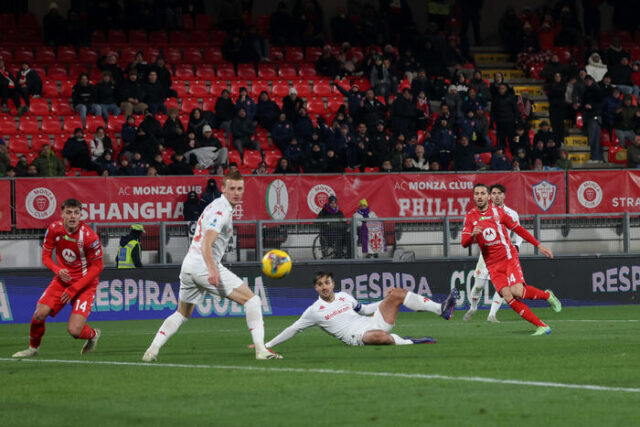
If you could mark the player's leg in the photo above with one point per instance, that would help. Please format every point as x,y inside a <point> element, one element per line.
<point>378,337</point>
<point>533,293</point>
<point>169,327</point>
<point>481,280</point>
<point>495,306</point>
<point>523,310</point>
<point>417,302</point>
<point>77,326</point>
<point>253,312</point>
<point>36,331</point>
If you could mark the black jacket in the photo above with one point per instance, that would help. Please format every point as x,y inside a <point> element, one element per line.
<point>106,93</point>
<point>85,95</point>
<point>130,89</point>
<point>504,108</point>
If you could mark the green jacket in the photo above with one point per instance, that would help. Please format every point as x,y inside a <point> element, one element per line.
<point>49,166</point>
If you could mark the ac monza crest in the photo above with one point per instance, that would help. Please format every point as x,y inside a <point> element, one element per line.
<point>544,193</point>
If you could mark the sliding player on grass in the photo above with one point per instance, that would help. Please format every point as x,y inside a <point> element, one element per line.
<point>79,256</point>
<point>496,193</point>
<point>340,315</point>
<point>202,272</point>
<point>487,226</point>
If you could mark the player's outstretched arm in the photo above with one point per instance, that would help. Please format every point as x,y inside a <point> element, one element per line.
<point>305,321</point>
<point>545,251</point>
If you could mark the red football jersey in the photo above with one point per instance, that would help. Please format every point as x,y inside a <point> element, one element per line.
<point>494,240</point>
<point>75,251</point>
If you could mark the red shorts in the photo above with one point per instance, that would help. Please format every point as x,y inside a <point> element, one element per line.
<point>506,273</point>
<point>80,304</point>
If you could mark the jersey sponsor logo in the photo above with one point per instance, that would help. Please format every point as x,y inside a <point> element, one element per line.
<point>318,197</point>
<point>544,194</point>
<point>589,194</point>
<point>40,203</point>
<point>489,234</point>
<point>338,311</point>
<point>68,255</point>
<point>277,199</point>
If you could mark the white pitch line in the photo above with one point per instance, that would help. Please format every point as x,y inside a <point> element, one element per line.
<point>335,371</point>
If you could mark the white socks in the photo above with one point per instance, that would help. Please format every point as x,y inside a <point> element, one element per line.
<point>400,341</point>
<point>495,304</point>
<point>253,312</point>
<point>416,302</point>
<point>476,292</point>
<point>169,327</point>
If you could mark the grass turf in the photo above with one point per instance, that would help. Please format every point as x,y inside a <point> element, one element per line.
<point>588,346</point>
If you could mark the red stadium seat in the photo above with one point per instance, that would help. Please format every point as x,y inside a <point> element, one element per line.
<point>198,90</point>
<point>28,125</point>
<point>23,54</point>
<point>217,87</point>
<point>271,158</point>
<point>6,54</point>
<point>213,55</point>
<point>246,71</point>
<point>280,89</point>
<point>37,141</point>
<point>225,71</point>
<point>128,53</point>
<point>371,170</point>
<point>252,158</point>
<point>257,88</point>
<point>180,87</point>
<point>287,71</point>
<point>203,21</point>
<point>61,107</point>
<point>234,156</point>
<point>307,70</point>
<point>51,125</point>
<point>57,73</point>
<point>200,37</point>
<point>179,37</point>
<point>192,55</point>
<point>8,126</point>
<point>58,142</point>
<point>173,55</point>
<point>45,55</point>
<point>267,71</point>
<point>19,144</point>
<point>172,103</point>
<point>137,37</point>
<point>50,89</point>
<point>71,123</point>
<point>187,21</point>
<point>39,107</point>
<point>66,54</point>
<point>294,54</point>
<point>334,104</point>
<point>205,72</point>
<point>312,53</point>
<point>322,88</point>
<point>303,88</point>
<point>115,124</point>
<point>158,37</point>
<point>276,54</point>
<point>315,106</point>
<point>94,122</point>
<point>235,87</point>
<point>197,171</point>
<point>209,104</point>
<point>184,72</point>
<point>188,104</point>
<point>66,88</point>
<point>117,37</point>
<point>98,36</point>
<point>486,157</point>
<point>150,53</point>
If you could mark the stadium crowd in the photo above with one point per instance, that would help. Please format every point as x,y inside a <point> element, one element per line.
<point>375,93</point>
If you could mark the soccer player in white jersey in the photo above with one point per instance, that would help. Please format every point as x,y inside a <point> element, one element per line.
<point>202,272</point>
<point>481,275</point>
<point>340,315</point>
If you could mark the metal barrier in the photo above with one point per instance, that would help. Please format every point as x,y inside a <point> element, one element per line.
<point>400,239</point>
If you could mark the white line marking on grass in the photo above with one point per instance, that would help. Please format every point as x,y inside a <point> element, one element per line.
<point>335,371</point>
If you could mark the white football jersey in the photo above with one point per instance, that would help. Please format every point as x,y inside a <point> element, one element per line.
<point>217,216</point>
<point>515,237</point>
<point>338,318</point>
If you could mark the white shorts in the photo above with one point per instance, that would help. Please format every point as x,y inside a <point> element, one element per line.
<point>373,323</point>
<point>481,271</point>
<point>194,284</point>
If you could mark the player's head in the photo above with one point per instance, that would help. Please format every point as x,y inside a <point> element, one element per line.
<point>324,284</point>
<point>233,187</point>
<point>481,195</point>
<point>71,213</point>
<point>498,192</point>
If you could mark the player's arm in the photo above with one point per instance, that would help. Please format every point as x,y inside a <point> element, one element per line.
<point>516,239</point>
<point>469,233</point>
<point>48,246</point>
<point>305,321</point>
<point>522,232</point>
<point>209,238</point>
<point>94,270</point>
<point>366,309</point>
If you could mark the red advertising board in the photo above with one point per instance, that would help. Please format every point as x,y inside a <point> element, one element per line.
<point>146,199</point>
<point>5,205</point>
<point>604,191</point>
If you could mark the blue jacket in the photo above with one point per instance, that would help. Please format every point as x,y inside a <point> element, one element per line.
<point>249,105</point>
<point>282,132</point>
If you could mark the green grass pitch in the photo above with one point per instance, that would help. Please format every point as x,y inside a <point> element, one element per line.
<point>205,375</point>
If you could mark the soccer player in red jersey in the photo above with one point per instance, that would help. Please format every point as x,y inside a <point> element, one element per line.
<point>79,256</point>
<point>487,225</point>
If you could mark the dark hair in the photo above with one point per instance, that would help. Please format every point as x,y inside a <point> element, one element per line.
<point>320,274</point>
<point>481,185</point>
<point>71,203</point>
<point>499,187</point>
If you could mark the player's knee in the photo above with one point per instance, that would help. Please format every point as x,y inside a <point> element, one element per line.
<point>397,293</point>
<point>40,314</point>
<point>74,330</point>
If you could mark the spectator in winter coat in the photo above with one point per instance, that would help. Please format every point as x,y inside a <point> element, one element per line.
<point>544,133</point>
<point>152,126</point>
<point>595,67</point>
<point>521,140</point>
<point>627,117</point>
<point>463,156</point>
<point>621,77</point>
<point>109,63</point>
<point>106,97</point>
<point>380,78</point>
<point>191,207</point>
<point>128,131</point>
<point>609,107</point>
<point>125,168</point>
<point>132,95</point>
<point>100,143</point>
<point>211,192</point>
<point>48,163</point>
<point>242,130</point>
<point>296,154</point>
<point>282,132</point>
<point>84,97</point>
<point>591,107</point>
<point>354,95</point>
<point>557,105</point>
<point>197,122</point>
<point>499,161</point>
<point>29,83</point>
<point>179,165</point>
<point>523,161</point>
<point>76,153</point>
<point>454,101</point>
<point>284,167</point>
<point>397,156</point>
<point>246,102</point>
<point>327,65</point>
<point>481,87</point>
<point>633,154</point>
<point>421,83</point>
<point>335,163</point>
<point>291,104</point>
<point>155,94</point>
<point>225,111</point>
<point>504,113</point>
<point>146,144</point>
<point>107,164</point>
<point>267,111</point>
<point>404,114</point>
<point>371,109</point>
<point>316,161</point>
<point>174,132</point>
<point>303,127</point>
<point>9,88</point>
<point>164,75</point>
<point>445,141</point>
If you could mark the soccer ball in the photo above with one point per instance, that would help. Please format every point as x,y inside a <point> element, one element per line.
<point>276,264</point>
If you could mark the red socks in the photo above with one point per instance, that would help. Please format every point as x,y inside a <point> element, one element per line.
<point>36,333</point>
<point>529,292</point>
<point>523,310</point>
<point>87,333</point>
